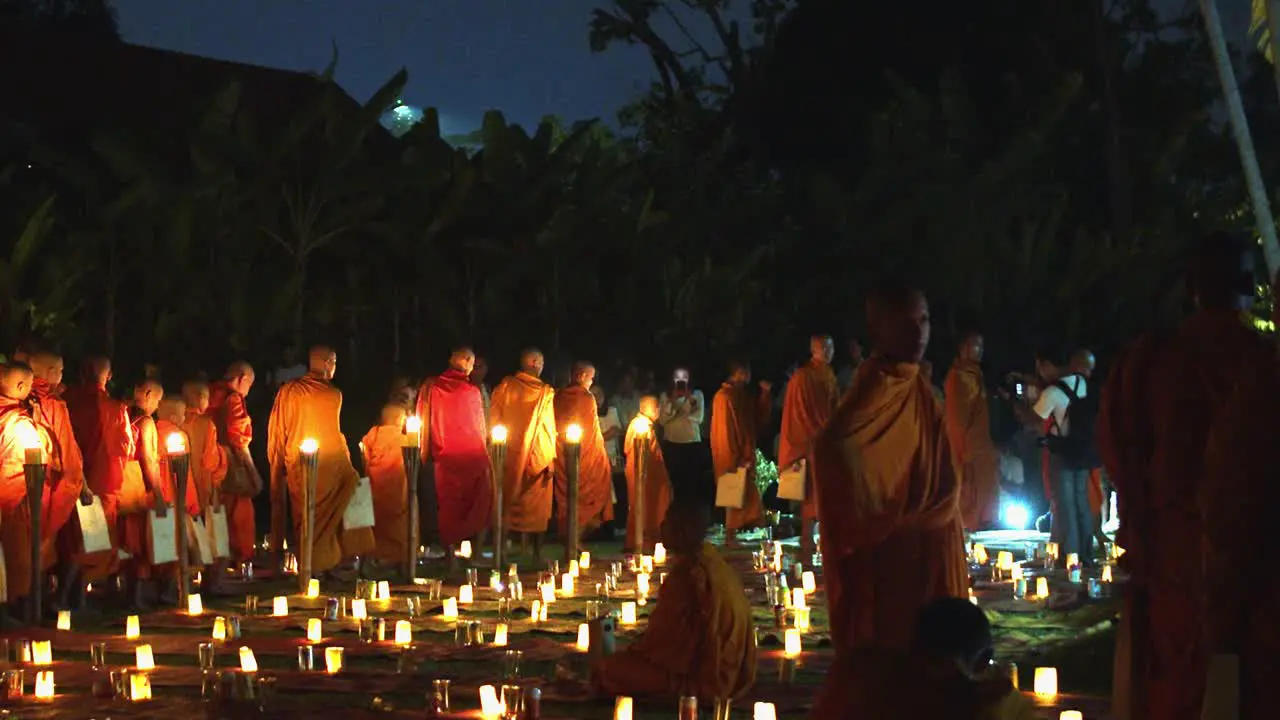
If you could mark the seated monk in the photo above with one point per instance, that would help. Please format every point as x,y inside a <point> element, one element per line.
<point>242,482</point>
<point>642,445</point>
<point>455,451</point>
<point>101,426</point>
<point>310,407</point>
<point>383,450</point>
<point>946,674</point>
<point>889,498</point>
<point>575,405</point>
<point>700,640</point>
<point>737,414</point>
<point>18,433</point>
<point>808,403</point>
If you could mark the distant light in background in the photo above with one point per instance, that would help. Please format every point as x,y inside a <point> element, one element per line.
<point>1015,516</point>
<point>401,118</point>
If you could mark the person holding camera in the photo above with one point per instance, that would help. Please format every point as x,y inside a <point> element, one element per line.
<point>681,410</point>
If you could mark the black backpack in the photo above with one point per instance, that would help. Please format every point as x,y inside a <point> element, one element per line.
<point>1079,449</point>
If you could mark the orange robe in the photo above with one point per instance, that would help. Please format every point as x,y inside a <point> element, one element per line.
<point>576,405</point>
<point>657,488</point>
<point>17,429</point>
<point>102,430</point>
<point>455,443</point>
<point>65,473</point>
<point>309,408</point>
<point>1158,407</point>
<point>525,405</point>
<point>736,418</point>
<point>208,458</point>
<point>700,640</point>
<point>969,433</point>
<point>384,464</point>
<point>811,399</point>
<point>876,684</point>
<point>891,540</point>
<point>235,432</point>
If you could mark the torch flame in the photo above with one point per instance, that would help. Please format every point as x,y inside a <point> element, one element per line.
<point>309,446</point>
<point>498,434</point>
<point>573,433</point>
<point>413,424</point>
<point>642,425</point>
<point>175,443</point>
<point>28,436</point>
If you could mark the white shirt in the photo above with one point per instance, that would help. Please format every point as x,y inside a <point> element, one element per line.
<point>1054,402</point>
<point>608,422</point>
<point>681,418</point>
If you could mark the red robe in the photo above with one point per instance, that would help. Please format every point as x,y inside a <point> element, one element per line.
<point>235,431</point>
<point>454,442</point>
<point>576,405</point>
<point>17,431</point>
<point>101,427</point>
<point>66,469</point>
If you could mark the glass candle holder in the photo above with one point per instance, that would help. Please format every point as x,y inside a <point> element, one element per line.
<point>511,664</point>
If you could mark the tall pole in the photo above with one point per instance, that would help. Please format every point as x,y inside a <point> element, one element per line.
<point>309,457</point>
<point>498,463</point>
<point>34,470</point>
<point>411,452</point>
<point>572,466</point>
<point>641,450</point>
<point>179,465</point>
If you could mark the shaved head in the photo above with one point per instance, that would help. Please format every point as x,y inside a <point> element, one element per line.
<point>822,349</point>
<point>47,366</point>
<point>685,526</point>
<point>463,359</point>
<point>583,373</point>
<point>173,408</point>
<point>15,380</point>
<point>394,414</point>
<point>322,361</point>
<point>898,316</point>
<point>147,396</point>
<point>240,377</point>
<point>532,361</point>
<point>195,393</point>
<point>1082,362</point>
<point>96,369</point>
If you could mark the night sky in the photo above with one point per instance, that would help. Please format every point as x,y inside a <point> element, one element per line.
<point>528,58</point>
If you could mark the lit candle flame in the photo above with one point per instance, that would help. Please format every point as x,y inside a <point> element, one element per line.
<point>404,633</point>
<point>764,711</point>
<point>314,630</point>
<point>309,446</point>
<point>628,613</point>
<point>219,628</point>
<point>144,658</point>
<point>450,609</point>
<point>808,582</point>
<point>573,434</point>
<point>64,619</point>
<point>333,660</point>
<point>791,646</point>
<point>44,685</point>
<point>498,434</point>
<point>175,443</point>
<point>413,424</point>
<point>623,708</point>
<point>41,652</point>
<point>139,687</point>
<point>1045,683</point>
<point>248,663</point>
<point>313,588</point>
<point>280,606</point>
<point>490,706</point>
<point>642,426</point>
<point>131,629</point>
<point>466,595</point>
<point>195,606</point>
<point>500,634</point>
<point>584,637</point>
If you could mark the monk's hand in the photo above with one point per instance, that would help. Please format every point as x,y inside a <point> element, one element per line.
<point>86,496</point>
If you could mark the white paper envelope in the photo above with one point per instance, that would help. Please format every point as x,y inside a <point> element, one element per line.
<point>359,512</point>
<point>93,526</point>
<point>731,489</point>
<point>198,537</point>
<point>791,482</point>
<point>163,538</point>
<point>218,533</point>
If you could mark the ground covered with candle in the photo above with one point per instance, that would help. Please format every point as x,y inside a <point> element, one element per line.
<point>387,662</point>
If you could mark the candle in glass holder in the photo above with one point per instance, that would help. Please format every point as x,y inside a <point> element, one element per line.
<point>536,611</point>
<point>404,633</point>
<point>44,685</point>
<point>500,635</point>
<point>131,629</point>
<point>219,628</point>
<point>1106,574</point>
<point>41,652</point>
<point>797,598</point>
<point>1042,587</point>
<point>333,660</point>
<point>248,663</point>
<point>466,595</point>
<point>628,613</point>
<point>659,554</point>
<point>642,584</point>
<point>384,590</point>
<point>490,706</point>
<point>548,593</point>
<point>450,609</point>
<point>358,610</point>
<point>764,711</point>
<point>584,637</point>
<point>623,708</point>
<point>313,588</point>
<point>1073,559</point>
<point>64,619</point>
<point>1015,572</point>
<point>791,642</point>
<point>1004,561</point>
<point>808,582</point>
<point>280,606</point>
<point>980,554</point>
<point>573,568</point>
<point>584,561</point>
<point>143,658</point>
<point>464,550</point>
<point>802,619</point>
<point>566,584</point>
<point>313,630</point>
<point>1045,683</point>
<point>139,687</point>
<point>1071,715</point>
<point>646,562</point>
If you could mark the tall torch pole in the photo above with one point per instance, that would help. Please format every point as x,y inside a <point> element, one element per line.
<point>572,456</point>
<point>498,462</point>
<point>34,468</point>
<point>411,453</point>
<point>640,447</point>
<point>310,461</point>
<point>179,465</point>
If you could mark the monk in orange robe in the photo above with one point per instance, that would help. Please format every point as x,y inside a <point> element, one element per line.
<point>701,638</point>
<point>143,490</point>
<point>383,450</point>
<point>969,432</point>
<point>889,497</point>
<point>641,441</point>
<point>309,408</point>
<point>946,674</point>
<point>737,415</point>
<point>170,434</point>
<point>1158,408</point>
<point>575,405</point>
<point>65,483</point>
<point>208,458</point>
<point>18,433</point>
<point>102,430</point>
<point>242,482</point>
<point>455,450</point>
<point>811,398</point>
<point>526,407</point>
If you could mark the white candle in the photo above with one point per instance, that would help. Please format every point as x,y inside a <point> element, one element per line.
<point>313,630</point>
<point>219,628</point>
<point>791,643</point>
<point>548,593</point>
<point>1004,560</point>
<point>628,613</point>
<point>573,568</point>
<point>764,711</point>
<point>537,608</point>
<point>64,619</point>
<point>622,708</point>
<point>1106,573</point>
<point>584,637</point>
<point>466,595</point>
<point>139,687</point>
<point>584,560</point>
<point>280,606</point>
<point>1042,587</point>
<point>44,685</point>
<point>131,629</point>
<point>1045,682</point>
<point>313,588</point>
<point>808,582</point>
<point>404,633</point>
<point>1073,559</point>
<point>566,584</point>
<point>464,550</point>
<point>642,585</point>
<point>358,610</point>
<point>1016,572</point>
<point>500,634</point>
<point>646,562</point>
<point>384,590</point>
<point>797,598</point>
<point>333,660</point>
<point>248,663</point>
<point>1071,715</point>
<point>194,605</point>
<point>41,652</point>
<point>802,619</point>
<point>143,658</point>
<point>980,554</point>
<point>490,706</point>
<point>659,554</point>
<point>450,609</point>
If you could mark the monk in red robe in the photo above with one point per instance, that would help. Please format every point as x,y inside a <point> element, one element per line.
<point>143,490</point>
<point>455,452</point>
<point>737,414</point>
<point>309,408</point>
<point>383,450</point>
<point>242,482</point>
<point>889,497</point>
<point>575,405</point>
<point>102,430</point>
<point>969,432</point>
<point>811,398</point>
<point>525,406</point>
<point>641,445</point>
<point>18,433</point>
<point>1161,401</point>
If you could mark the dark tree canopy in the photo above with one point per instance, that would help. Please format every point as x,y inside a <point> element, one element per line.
<point>96,18</point>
